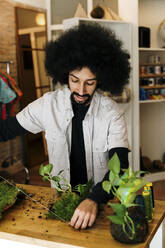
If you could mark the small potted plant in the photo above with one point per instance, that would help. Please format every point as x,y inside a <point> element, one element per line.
<point>69,198</point>
<point>128,224</point>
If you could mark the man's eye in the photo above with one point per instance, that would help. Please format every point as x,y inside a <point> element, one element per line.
<point>74,80</point>
<point>90,83</point>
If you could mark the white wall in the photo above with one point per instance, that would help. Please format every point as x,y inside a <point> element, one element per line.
<point>151,14</point>
<point>128,10</point>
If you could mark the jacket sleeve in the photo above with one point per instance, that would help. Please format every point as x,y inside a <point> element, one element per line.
<point>10,128</point>
<point>98,195</point>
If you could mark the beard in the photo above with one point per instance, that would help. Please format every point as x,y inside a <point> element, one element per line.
<point>85,102</point>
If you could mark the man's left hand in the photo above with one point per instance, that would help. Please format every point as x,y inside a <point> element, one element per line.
<point>85,214</point>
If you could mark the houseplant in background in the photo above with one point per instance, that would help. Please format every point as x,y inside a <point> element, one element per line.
<point>69,198</point>
<point>128,224</point>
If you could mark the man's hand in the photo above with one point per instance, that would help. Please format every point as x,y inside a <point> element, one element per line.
<point>85,214</point>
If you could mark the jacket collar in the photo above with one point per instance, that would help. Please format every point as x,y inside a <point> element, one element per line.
<point>94,106</point>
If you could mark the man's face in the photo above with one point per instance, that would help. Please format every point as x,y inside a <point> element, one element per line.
<point>82,84</point>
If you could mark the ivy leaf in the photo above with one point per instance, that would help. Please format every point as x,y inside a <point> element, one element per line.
<point>114,179</point>
<point>119,209</point>
<point>56,186</point>
<point>60,172</point>
<point>106,186</point>
<point>48,168</point>
<point>139,173</point>
<point>45,178</point>
<point>126,195</point>
<point>130,199</point>
<point>116,219</point>
<point>132,205</point>
<point>111,177</point>
<point>114,164</point>
<point>138,184</point>
<point>41,170</point>
<point>123,192</point>
<point>125,175</point>
<point>56,178</point>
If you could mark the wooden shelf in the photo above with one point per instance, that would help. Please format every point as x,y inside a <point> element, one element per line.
<point>152,75</point>
<point>156,176</point>
<point>95,20</point>
<point>153,87</point>
<point>151,49</point>
<point>152,64</point>
<point>151,101</point>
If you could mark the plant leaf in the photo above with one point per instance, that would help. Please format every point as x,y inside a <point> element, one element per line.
<point>122,193</point>
<point>114,164</point>
<point>45,178</point>
<point>111,177</point>
<point>130,199</point>
<point>56,186</point>
<point>48,168</point>
<point>119,209</point>
<point>56,178</point>
<point>138,173</point>
<point>116,219</point>
<point>41,170</point>
<point>60,172</point>
<point>106,186</point>
<point>138,184</point>
<point>132,205</point>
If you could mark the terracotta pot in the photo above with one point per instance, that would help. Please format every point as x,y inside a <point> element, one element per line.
<point>141,228</point>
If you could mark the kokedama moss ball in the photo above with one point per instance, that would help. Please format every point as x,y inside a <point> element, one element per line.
<point>141,227</point>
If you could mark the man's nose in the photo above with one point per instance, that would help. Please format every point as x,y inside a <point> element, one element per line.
<point>82,89</point>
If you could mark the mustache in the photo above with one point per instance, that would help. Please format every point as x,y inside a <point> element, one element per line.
<point>77,94</point>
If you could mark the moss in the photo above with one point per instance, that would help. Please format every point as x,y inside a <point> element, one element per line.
<point>70,198</point>
<point>8,196</point>
<point>65,206</point>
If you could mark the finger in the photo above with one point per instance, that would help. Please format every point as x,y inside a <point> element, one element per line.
<point>85,221</point>
<point>79,222</point>
<point>74,218</point>
<point>92,219</point>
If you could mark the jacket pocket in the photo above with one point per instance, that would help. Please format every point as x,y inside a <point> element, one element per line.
<point>100,154</point>
<point>56,142</point>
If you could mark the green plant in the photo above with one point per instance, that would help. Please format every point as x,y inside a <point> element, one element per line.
<point>58,182</point>
<point>8,196</point>
<point>70,198</point>
<point>124,187</point>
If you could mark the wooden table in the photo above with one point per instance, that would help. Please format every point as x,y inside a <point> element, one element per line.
<point>26,222</point>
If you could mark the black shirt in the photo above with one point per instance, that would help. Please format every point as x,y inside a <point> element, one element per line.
<point>78,170</point>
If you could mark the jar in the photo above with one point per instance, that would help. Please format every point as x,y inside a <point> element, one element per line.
<point>157,69</point>
<point>150,69</point>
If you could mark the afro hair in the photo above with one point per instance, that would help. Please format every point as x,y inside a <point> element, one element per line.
<point>92,46</point>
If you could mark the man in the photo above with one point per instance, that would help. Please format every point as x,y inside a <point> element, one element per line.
<point>83,128</point>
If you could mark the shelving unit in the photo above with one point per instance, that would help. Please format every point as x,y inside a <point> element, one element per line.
<point>152,112</point>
